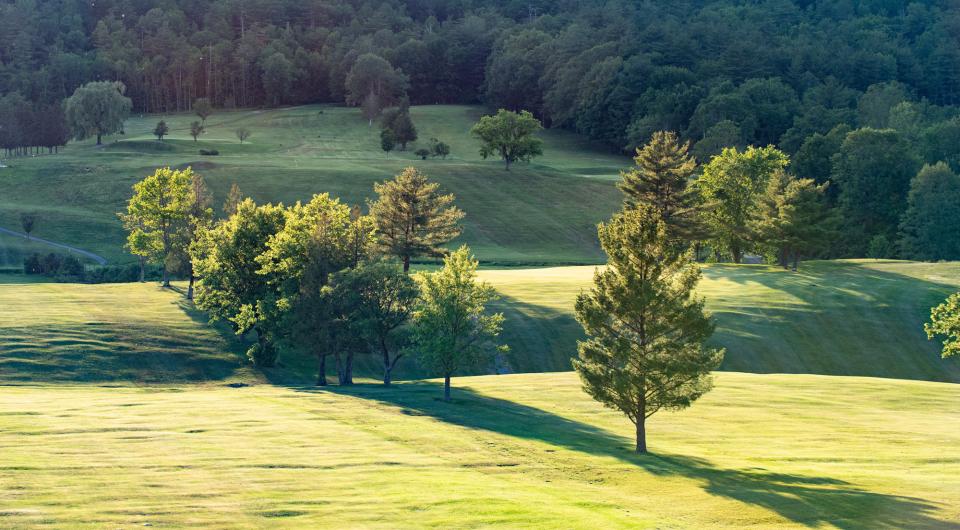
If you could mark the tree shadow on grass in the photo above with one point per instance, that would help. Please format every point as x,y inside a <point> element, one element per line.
<point>806,500</point>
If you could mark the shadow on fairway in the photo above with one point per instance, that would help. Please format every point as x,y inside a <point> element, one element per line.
<point>808,500</point>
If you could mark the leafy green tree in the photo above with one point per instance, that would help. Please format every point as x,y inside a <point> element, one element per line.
<point>945,322</point>
<point>28,221</point>
<point>203,109</point>
<point>199,218</point>
<point>242,134</point>
<point>815,158</point>
<point>398,122</point>
<point>278,75</point>
<point>373,83</point>
<point>872,171</point>
<point>440,149</point>
<point>930,228</point>
<point>645,327</point>
<point>721,135</point>
<point>661,178</point>
<point>230,285</point>
<point>380,298</point>
<point>510,136</point>
<point>876,103</point>
<point>157,212</point>
<point>792,216</point>
<point>387,140</point>
<point>412,218</point>
<point>422,153</point>
<point>161,130</point>
<point>234,197</point>
<point>452,329</point>
<point>196,129</point>
<point>96,109</point>
<point>730,184</point>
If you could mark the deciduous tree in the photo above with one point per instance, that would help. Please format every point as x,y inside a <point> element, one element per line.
<point>930,228</point>
<point>509,136</point>
<point>156,215</point>
<point>96,109</point>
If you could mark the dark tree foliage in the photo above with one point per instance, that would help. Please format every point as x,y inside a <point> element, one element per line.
<point>930,229</point>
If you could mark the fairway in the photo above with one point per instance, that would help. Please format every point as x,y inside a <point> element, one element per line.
<point>536,213</point>
<point>522,450</point>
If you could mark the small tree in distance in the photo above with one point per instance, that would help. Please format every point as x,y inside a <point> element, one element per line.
<point>203,109</point>
<point>161,130</point>
<point>196,129</point>
<point>452,329</point>
<point>510,136</point>
<point>96,109</point>
<point>243,133</point>
<point>645,327</point>
<point>27,222</point>
<point>440,149</point>
<point>233,199</point>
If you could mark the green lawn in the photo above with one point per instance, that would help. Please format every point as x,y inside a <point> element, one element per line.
<point>544,212</point>
<point>764,451</point>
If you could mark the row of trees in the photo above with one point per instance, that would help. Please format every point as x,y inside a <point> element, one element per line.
<point>27,128</point>
<point>320,276</point>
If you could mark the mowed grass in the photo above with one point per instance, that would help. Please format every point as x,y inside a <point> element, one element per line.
<point>862,318</point>
<point>543,212</point>
<point>532,451</point>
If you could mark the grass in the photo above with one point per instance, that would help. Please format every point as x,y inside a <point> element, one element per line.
<point>862,318</point>
<point>516,451</point>
<point>533,214</point>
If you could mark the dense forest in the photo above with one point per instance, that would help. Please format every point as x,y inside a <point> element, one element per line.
<point>858,92</point>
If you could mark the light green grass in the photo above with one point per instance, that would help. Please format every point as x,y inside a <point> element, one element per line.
<point>531,451</point>
<point>544,212</point>
<point>860,318</point>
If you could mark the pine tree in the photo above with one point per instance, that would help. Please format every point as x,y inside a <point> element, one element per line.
<point>793,218</point>
<point>412,218</point>
<point>645,327</point>
<point>661,178</point>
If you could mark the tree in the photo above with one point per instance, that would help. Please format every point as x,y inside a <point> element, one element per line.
<point>422,153</point>
<point>278,74</point>
<point>729,186</point>
<point>243,133</point>
<point>96,109</point>
<point>873,171</point>
<point>440,149</point>
<point>452,329</point>
<point>792,217</point>
<point>199,218</point>
<point>234,197</point>
<point>203,109</point>
<point>230,286</point>
<point>387,140</point>
<point>373,83</point>
<point>161,130</point>
<point>27,222</point>
<point>945,321</point>
<point>319,239</point>
<point>196,129</point>
<point>412,219</point>
<point>645,327</point>
<point>930,228</point>
<point>381,299</point>
<point>509,135</point>
<point>661,178</point>
<point>157,212</point>
<point>398,122</point>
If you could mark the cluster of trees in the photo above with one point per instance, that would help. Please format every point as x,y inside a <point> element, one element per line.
<point>321,276</point>
<point>27,128</point>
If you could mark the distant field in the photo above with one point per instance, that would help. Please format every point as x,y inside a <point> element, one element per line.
<point>843,318</point>
<point>761,451</point>
<point>544,212</point>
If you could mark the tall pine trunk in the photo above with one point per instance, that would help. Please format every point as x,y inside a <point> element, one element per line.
<point>446,388</point>
<point>321,369</point>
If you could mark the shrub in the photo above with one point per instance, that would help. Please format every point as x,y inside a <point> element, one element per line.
<point>422,153</point>
<point>209,152</point>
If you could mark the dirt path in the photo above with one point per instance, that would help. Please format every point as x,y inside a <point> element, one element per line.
<point>99,259</point>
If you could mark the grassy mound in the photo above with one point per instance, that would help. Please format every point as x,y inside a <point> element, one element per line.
<point>515,451</point>
<point>544,212</point>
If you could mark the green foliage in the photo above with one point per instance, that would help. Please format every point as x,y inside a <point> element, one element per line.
<point>945,322</point>
<point>930,228</point>
<point>452,328</point>
<point>242,134</point>
<point>203,109</point>
<point>730,184</point>
<point>412,218</point>
<point>161,130</point>
<point>196,129</point>
<point>872,170</point>
<point>880,247</point>
<point>510,136</point>
<point>645,327</point>
<point>440,149</point>
<point>793,217</point>
<point>400,125</point>
<point>28,221</point>
<point>422,153</point>
<point>387,140</point>
<point>661,179</point>
<point>157,216</point>
<point>278,76</point>
<point>230,285</point>
<point>97,109</point>
<point>375,84</point>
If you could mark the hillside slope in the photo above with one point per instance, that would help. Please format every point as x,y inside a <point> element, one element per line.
<point>544,212</point>
<point>527,451</point>
<point>841,318</point>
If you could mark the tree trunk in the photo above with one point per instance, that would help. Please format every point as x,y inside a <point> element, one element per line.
<point>387,366</point>
<point>348,370</point>
<point>190,285</point>
<point>506,161</point>
<point>99,136</point>
<point>143,271</point>
<point>796,261</point>
<point>321,369</point>
<point>406,264</point>
<point>641,434</point>
<point>446,388</point>
<point>166,278</point>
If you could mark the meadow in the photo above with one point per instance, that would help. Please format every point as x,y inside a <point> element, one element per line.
<point>541,213</point>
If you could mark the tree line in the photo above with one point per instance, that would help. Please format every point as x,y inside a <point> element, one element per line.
<point>28,128</point>
<point>323,277</point>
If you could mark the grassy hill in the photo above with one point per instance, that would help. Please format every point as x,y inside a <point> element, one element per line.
<point>861,318</point>
<point>544,212</point>
<point>518,451</point>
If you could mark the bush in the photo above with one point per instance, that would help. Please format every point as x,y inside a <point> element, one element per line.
<point>880,247</point>
<point>263,354</point>
<point>209,152</point>
<point>422,153</point>
<point>63,268</point>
